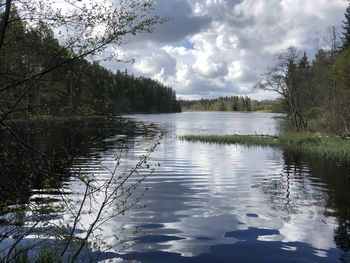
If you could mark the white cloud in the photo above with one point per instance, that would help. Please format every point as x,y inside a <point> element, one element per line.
<point>154,63</point>
<point>221,47</point>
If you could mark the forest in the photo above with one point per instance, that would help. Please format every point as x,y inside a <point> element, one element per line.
<point>79,183</point>
<point>315,93</point>
<point>79,87</point>
<point>233,103</point>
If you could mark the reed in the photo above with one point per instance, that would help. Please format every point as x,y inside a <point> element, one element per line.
<point>323,146</point>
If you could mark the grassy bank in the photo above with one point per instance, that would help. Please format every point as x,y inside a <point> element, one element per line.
<point>328,147</point>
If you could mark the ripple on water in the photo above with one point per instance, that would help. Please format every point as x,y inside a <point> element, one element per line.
<point>216,203</point>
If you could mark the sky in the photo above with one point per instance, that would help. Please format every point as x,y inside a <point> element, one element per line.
<point>212,48</point>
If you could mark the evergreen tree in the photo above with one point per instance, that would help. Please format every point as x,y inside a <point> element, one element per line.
<point>79,87</point>
<point>346,28</point>
<point>304,62</point>
<point>234,103</point>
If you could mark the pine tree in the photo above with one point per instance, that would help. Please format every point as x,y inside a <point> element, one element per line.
<point>346,28</point>
<point>304,62</point>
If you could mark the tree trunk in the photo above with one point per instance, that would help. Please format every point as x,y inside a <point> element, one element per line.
<point>4,22</point>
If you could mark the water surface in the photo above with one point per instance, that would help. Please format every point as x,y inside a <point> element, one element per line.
<point>220,203</point>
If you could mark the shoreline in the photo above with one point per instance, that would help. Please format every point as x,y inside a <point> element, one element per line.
<point>313,144</point>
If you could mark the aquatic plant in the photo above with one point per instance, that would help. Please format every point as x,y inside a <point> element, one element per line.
<point>324,146</point>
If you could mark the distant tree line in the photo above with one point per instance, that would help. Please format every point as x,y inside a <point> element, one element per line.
<point>74,88</point>
<point>315,94</point>
<point>233,103</point>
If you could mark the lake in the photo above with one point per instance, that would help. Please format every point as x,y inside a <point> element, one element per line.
<point>209,202</point>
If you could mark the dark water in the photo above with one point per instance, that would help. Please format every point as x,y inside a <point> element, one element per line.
<point>209,202</point>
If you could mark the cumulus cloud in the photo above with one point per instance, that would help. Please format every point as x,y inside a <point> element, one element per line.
<point>182,21</point>
<point>221,47</point>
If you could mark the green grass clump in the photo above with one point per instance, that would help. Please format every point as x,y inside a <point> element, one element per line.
<point>249,140</point>
<point>323,146</point>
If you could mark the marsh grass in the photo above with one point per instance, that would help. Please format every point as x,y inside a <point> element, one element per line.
<point>248,140</point>
<point>323,146</point>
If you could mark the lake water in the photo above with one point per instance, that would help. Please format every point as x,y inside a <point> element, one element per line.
<point>220,203</point>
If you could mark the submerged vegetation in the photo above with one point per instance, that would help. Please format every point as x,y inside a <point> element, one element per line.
<point>323,146</point>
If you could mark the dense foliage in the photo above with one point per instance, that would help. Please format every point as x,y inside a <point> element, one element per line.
<point>74,88</point>
<point>315,94</point>
<point>346,28</point>
<point>234,103</point>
